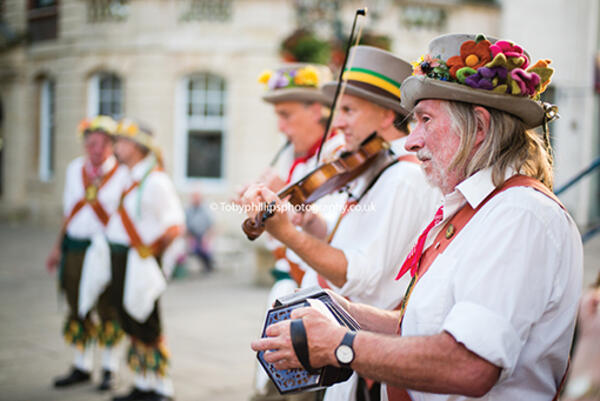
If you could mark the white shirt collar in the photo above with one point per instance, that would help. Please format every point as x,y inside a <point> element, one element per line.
<point>142,167</point>
<point>474,189</point>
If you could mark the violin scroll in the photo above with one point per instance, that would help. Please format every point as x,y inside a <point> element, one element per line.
<point>254,227</point>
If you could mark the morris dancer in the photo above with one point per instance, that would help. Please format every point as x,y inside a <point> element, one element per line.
<point>93,187</point>
<point>145,237</point>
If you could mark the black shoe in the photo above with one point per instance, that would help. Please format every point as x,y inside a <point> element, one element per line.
<point>74,377</point>
<point>160,397</point>
<point>108,380</point>
<point>136,394</point>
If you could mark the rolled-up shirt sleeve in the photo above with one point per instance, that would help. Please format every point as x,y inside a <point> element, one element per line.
<point>500,346</point>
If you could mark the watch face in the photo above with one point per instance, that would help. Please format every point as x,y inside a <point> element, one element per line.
<point>344,354</point>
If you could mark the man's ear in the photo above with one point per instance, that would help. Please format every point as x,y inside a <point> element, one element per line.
<point>389,116</point>
<point>483,123</point>
<point>316,111</point>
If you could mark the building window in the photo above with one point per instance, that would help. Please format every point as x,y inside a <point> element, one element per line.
<point>42,20</point>
<point>204,122</point>
<point>46,130</point>
<point>427,17</point>
<point>208,10</point>
<point>107,10</point>
<point>106,95</point>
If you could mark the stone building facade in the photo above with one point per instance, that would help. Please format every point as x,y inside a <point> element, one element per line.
<point>189,69</point>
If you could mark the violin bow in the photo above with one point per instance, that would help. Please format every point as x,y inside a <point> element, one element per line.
<point>341,85</point>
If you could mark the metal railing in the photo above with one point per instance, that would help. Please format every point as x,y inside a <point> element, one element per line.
<point>593,166</point>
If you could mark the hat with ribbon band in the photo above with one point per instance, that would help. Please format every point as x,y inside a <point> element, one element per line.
<point>375,75</point>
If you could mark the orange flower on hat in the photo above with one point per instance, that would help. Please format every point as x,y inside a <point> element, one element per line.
<point>473,54</point>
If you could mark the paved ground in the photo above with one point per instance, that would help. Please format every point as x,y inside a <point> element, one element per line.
<point>210,322</point>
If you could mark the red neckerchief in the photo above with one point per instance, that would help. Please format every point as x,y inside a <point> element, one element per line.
<point>311,152</point>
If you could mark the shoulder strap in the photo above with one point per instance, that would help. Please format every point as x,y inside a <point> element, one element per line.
<point>464,215</point>
<point>91,197</point>
<point>160,244</point>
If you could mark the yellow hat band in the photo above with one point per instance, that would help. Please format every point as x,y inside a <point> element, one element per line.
<point>368,77</point>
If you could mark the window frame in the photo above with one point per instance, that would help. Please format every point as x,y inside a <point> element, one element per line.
<point>94,94</point>
<point>46,129</point>
<point>182,128</point>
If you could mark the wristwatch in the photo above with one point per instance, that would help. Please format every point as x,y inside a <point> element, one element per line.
<point>344,353</point>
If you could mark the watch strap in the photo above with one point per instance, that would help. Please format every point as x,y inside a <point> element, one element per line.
<point>348,338</point>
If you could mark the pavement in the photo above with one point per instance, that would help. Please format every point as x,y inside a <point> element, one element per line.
<point>209,320</point>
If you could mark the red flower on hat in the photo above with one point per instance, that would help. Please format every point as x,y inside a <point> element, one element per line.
<point>472,54</point>
<point>509,49</point>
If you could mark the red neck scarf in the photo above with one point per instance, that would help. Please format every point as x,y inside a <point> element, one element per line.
<point>301,160</point>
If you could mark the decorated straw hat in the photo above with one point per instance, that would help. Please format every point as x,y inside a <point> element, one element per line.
<point>296,82</point>
<point>484,71</point>
<point>103,124</point>
<point>136,132</point>
<point>375,75</point>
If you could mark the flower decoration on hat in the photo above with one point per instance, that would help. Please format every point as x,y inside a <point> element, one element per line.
<point>131,130</point>
<point>473,54</point>
<point>501,67</point>
<point>104,124</point>
<point>428,65</point>
<point>304,77</point>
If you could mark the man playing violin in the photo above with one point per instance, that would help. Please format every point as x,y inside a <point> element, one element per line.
<point>490,311</point>
<point>300,107</point>
<point>386,206</point>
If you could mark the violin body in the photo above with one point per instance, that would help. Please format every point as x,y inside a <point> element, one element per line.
<point>323,180</point>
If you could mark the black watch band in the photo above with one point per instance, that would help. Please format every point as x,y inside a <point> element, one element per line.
<point>344,353</point>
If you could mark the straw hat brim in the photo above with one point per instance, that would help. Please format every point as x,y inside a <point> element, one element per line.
<point>417,88</point>
<point>296,95</point>
<point>385,102</point>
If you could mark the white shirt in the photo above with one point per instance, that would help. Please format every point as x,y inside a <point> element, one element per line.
<point>153,206</point>
<point>507,287</point>
<point>85,223</point>
<point>377,238</point>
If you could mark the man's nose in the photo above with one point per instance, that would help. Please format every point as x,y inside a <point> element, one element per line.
<point>415,141</point>
<point>339,122</point>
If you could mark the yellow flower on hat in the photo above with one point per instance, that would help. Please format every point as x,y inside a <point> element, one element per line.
<point>264,76</point>
<point>307,76</point>
<point>97,124</point>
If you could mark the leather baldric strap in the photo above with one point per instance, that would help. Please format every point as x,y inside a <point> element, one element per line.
<point>144,250</point>
<point>296,272</point>
<point>91,197</point>
<point>446,236</point>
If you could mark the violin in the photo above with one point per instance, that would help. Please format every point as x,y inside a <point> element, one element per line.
<point>323,180</point>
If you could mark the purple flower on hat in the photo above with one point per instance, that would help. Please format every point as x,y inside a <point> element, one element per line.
<point>523,82</point>
<point>278,80</point>
<point>487,78</point>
